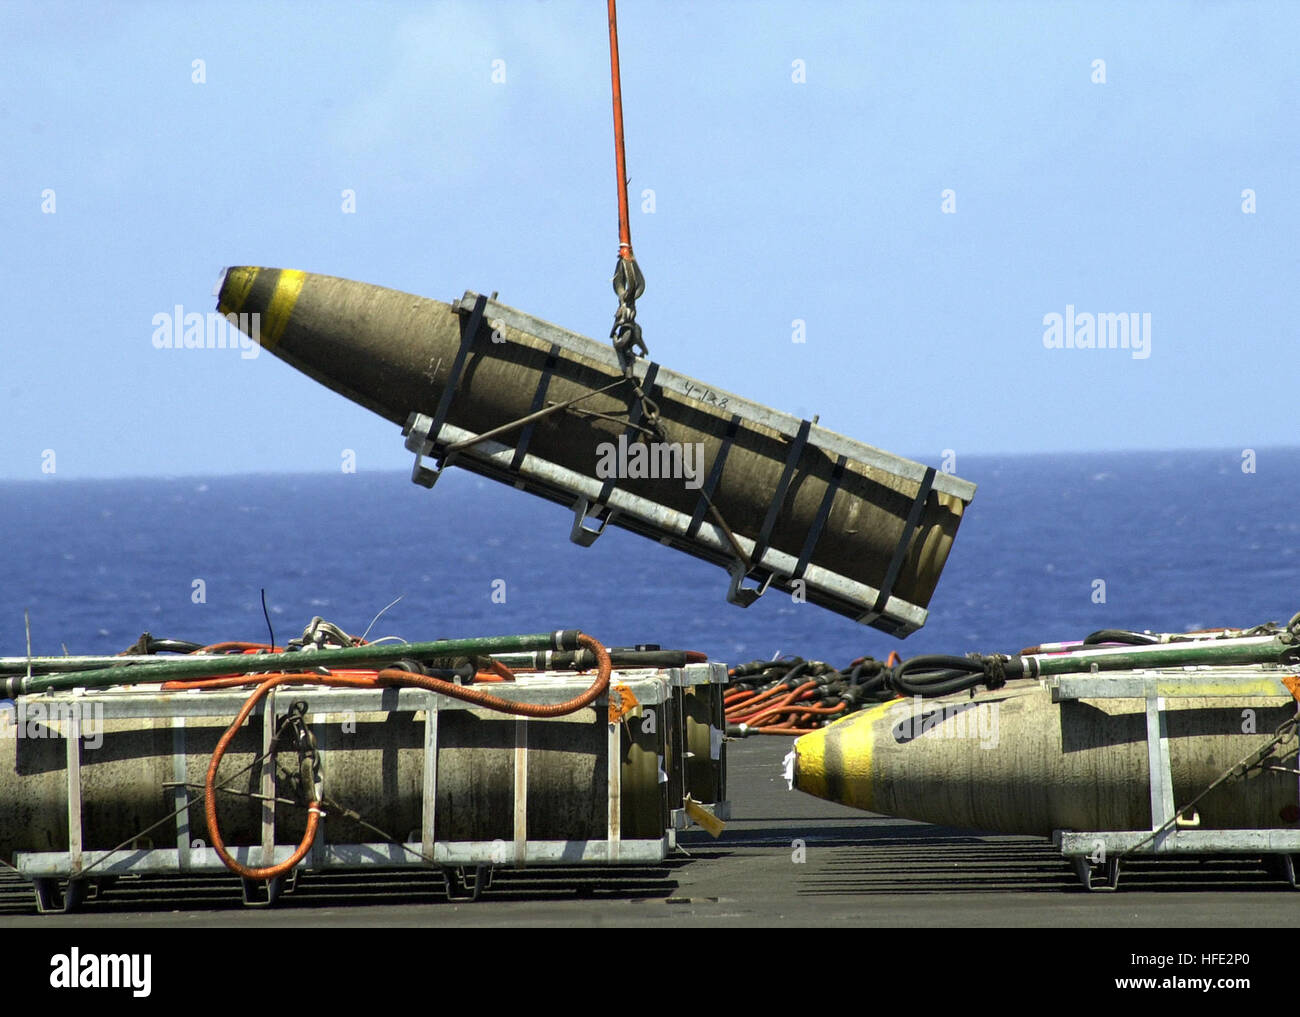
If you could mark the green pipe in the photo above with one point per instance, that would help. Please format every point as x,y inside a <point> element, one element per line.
<point>60,665</point>
<point>183,669</point>
<point>1267,650</point>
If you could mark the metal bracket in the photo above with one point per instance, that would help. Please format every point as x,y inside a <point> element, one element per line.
<point>539,400</point>
<point>50,901</point>
<point>900,552</point>
<point>1285,867</point>
<point>1107,870</point>
<point>429,792</point>
<point>1162,781</point>
<point>792,457</point>
<point>737,592</point>
<point>742,595</point>
<point>823,513</point>
<point>635,411</point>
<point>582,511</point>
<point>419,427</point>
<point>260,893</point>
<point>464,887</point>
<point>715,474</point>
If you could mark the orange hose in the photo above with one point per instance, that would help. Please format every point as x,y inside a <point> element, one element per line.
<point>761,711</point>
<point>499,673</point>
<point>386,677</point>
<point>210,793</point>
<point>234,681</point>
<point>242,647</point>
<point>503,673</point>
<point>775,690</point>
<point>491,702</point>
<point>784,701</point>
<point>804,713</point>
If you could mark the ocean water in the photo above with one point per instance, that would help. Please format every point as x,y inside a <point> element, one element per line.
<point>1180,540</point>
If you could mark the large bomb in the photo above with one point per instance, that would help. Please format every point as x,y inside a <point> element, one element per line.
<point>1015,761</point>
<point>776,500</point>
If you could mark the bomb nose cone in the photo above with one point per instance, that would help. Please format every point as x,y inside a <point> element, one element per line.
<point>270,294</point>
<point>835,762</point>
<point>233,287</point>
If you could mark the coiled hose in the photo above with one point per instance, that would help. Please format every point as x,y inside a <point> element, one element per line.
<point>386,678</point>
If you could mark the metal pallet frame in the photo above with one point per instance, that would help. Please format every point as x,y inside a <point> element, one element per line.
<point>466,865</point>
<point>595,504</point>
<point>1096,855</point>
<point>684,678</point>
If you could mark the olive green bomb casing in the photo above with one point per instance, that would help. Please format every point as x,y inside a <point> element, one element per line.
<point>777,501</point>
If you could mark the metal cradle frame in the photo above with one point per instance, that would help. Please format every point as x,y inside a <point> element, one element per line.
<point>62,880</point>
<point>595,504</point>
<point>1095,855</point>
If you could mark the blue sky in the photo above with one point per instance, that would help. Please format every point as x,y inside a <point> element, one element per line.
<point>775,200</point>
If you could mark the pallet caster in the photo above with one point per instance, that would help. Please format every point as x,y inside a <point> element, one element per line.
<point>464,886</point>
<point>1101,877</point>
<point>1285,867</point>
<point>51,900</point>
<point>99,885</point>
<point>261,893</point>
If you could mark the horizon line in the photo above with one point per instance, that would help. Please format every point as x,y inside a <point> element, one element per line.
<point>386,470</point>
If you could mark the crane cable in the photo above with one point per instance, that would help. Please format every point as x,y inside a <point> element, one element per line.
<point>628,281</point>
<point>629,284</point>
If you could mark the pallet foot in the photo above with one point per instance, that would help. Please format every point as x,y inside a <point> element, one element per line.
<point>1096,878</point>
<point>1286,866</point>
<point>261,893</point>
<point>51,899</point>
<point>464,886</point>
